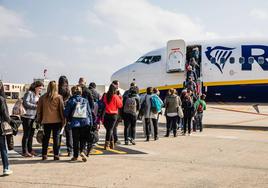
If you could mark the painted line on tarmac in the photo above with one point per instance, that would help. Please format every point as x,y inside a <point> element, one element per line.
<point>211,136</point>
<point>239,111</point>
<point>112,150</point>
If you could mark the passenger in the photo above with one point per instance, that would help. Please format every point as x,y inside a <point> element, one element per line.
<point>131,106</point>
<point>86,93</point>
<point>191,85</point>
<point>191,73</point>
<point>92,87</point>
<point>78,113</point>
<point>18,109</point>
<point>188,111</point>
<point>132,85</point>
<point>173,102</point>
<point>119,116</point>
<point>50,115</point>
<point>148,115</point>
<point>30,101</point>
<point>193,63</point>
<point>112,103</point>
<point>4,117</point>
<point>125,96</point>
<point>64,91</point>
<point>157,110</point>
<point>199,106</point>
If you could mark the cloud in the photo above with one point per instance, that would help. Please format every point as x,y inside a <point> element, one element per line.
<point>137,27</point>
<point>259,14</point>
<point>12,25</point>
<point>74,39</point>
<point>139,23</point>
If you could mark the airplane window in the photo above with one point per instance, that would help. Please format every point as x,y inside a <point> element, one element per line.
<point>213,60</point>
<point>148,59</point>
<point>241,60</point>
<point>139,60</point>
<point>156,58</point>
<point>261,60</point>
<point>251,60</point>
<point>232,60</point>
<point>222,60</point>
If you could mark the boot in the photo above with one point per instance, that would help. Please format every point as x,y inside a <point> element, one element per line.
<point>112,144</point>
<point>106,145</point>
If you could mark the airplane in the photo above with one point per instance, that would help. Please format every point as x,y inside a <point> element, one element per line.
<point>233,70</point>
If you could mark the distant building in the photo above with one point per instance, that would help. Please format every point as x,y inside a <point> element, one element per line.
<point>13,91</point>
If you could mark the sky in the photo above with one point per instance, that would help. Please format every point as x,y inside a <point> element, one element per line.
<point>94,38</point>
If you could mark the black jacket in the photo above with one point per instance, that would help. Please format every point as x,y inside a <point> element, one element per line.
<point>95,94</point>
<point>86,93</point>
<point>4,115</point>
<point>188,108</point>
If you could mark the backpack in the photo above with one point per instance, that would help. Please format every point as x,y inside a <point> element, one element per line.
<point>130,106</point>
<point>18,108</point>
<point>156,104</point>
<point>200,108</point>
<point>80,110</point>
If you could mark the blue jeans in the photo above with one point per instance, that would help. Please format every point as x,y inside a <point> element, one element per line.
<point>3,150</point>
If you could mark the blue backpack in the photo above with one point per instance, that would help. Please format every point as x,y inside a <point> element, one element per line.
<point>156,104</point>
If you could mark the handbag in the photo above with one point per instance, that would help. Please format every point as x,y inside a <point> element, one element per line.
<point>180,112</point>
<point>40,135</point>
<point>6,128</point>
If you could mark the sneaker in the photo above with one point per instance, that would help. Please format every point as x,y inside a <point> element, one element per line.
<point>74,159</point>
<point>56,158</point>
<point>133,142</point>
<point>126,142</point>
<point>33,153</point>
<point>84,159</point>
<point>7,172</point>
<point>118,142</point>
<point>27,154</point>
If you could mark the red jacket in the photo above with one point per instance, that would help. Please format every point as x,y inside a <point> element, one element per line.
<point>115,103</point>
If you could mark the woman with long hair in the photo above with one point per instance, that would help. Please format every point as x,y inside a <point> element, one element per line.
<point>78,114</point>
<point>112,103</point>
<point>64,91</point>
<point>172,103</point>
<point>30,101</point>
<point>4,116</point>
<point>50,114</point>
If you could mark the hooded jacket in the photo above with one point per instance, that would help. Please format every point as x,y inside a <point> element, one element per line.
<point>69,110</point>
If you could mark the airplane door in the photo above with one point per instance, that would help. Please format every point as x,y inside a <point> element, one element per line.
<point>176,56</point>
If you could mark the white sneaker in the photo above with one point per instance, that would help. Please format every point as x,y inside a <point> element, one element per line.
<point>7,172</point>
<point>83,157</point>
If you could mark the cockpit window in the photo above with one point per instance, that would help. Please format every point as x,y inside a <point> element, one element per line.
<point>149,59</point>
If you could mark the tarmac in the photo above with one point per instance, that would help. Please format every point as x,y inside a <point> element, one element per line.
<point>217,157</point>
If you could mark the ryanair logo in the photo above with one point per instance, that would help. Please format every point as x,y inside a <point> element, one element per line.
<point>221,55</point>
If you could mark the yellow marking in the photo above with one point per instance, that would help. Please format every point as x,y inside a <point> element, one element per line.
<point>117,151</point>
<point>164,87</point>
<point>96,152</point>
<point>112,150</point>
<point>237,82</point>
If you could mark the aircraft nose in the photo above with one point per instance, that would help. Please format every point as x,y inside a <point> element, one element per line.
<point>122,76</point>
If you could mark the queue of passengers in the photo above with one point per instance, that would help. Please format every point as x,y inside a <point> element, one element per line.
<point>80,112</point>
